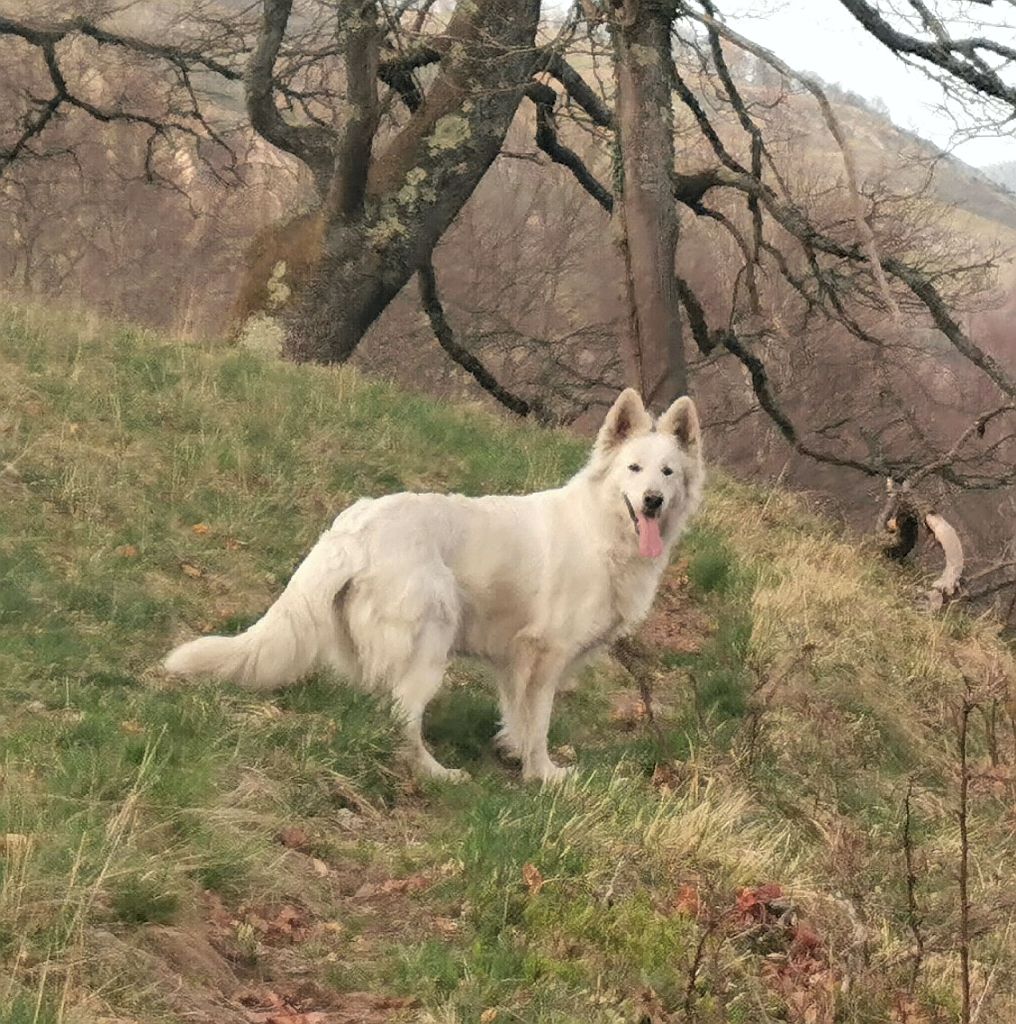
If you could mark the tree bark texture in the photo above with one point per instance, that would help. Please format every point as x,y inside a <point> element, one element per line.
<point>415,188</point>
<point>647,217</point>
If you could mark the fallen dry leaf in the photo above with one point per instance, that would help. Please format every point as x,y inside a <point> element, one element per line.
<point>290,923</point>
<point>665,777</point>
<point>649,1008</point>
<point>191,570</point>
<point>687,901</point>
<point>768,892</point>
<point>392,886</point>
<point>268,1007</point>
<point>261,999</point>
<point>754,900</point>
<point>806,939</point>
<point>293,838</point>
<point>628,709</point>
<point>488,1015</point>
<point>127,551</point>
<point>201,529</point>
<point>533,879</point>
<point>287,925</point>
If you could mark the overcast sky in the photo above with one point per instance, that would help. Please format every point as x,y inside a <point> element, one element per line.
<point>822,37</point>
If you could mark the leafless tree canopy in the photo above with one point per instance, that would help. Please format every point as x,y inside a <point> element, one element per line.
<point>816,293</point>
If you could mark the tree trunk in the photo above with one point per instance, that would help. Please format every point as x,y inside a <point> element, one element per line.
<point>646,214</point>
<point>416,187</point>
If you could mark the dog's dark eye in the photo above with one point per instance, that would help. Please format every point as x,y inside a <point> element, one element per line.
<point>667,471</point>
<point>635,467</point>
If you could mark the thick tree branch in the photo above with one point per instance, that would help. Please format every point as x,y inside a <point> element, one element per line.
<point>795,222</point>
<point>578,89</point>
<point>34,122</point>
<point>313,144</point>
<point>431,301</point>
<point>544,98</point>
<point>397,72</point>
<point>959,57</point>
<point>977,427</point>
<point>353,146</point>
<point>948,540</point>
<point>42,112</point>
<point>180,56</point>
<point>762,388</point>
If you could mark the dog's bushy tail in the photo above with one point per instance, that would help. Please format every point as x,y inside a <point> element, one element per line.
<point>291,639</point>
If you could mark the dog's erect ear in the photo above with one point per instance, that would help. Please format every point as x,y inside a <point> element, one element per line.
<point>627,418</point>
<point>681,420</point>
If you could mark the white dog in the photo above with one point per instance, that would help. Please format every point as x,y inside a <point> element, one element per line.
<point>533,583</point>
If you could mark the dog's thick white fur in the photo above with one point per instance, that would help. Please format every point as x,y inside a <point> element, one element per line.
<point>533,583</point>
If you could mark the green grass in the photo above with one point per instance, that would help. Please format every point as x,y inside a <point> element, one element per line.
<point>153,490</point>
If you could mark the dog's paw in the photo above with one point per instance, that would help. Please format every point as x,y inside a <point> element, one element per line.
<point>506,746</point>
<point>442,774</point>
<point>550,775</point>
<point>556,775</point>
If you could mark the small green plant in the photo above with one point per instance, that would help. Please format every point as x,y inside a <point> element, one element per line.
<point>143,899</point>
<point>712,565</point>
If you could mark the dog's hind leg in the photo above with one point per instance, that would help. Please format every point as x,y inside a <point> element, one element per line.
<point>414,690</point>
<point>401,629</point>
<point>412,695</point>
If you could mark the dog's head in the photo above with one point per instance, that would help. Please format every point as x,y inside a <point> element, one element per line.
<point>655,469</point>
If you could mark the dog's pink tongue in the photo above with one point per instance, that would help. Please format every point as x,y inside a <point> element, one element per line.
<point>650,541</point>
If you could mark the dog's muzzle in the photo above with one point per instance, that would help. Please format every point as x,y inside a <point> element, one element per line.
<point>647,527</point>
<point>651,505</point>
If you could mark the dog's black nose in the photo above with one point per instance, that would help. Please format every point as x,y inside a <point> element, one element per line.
<point>652,502</point>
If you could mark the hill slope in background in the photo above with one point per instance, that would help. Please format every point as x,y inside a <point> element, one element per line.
<point>782,843</point>
<point>889,155</point>
<point>1003,174</point>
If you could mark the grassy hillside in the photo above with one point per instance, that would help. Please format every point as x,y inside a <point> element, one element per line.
<point>199,854</point>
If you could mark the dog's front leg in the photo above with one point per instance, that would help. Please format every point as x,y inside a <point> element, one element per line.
<point>535,678</point>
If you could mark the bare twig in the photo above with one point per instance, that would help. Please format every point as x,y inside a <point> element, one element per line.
<point>635,658</point>
<point>914,919</point>
<point>966,708</point>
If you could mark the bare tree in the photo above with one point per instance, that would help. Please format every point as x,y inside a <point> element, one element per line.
<point>396,114</point>
<point>312,83</point>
